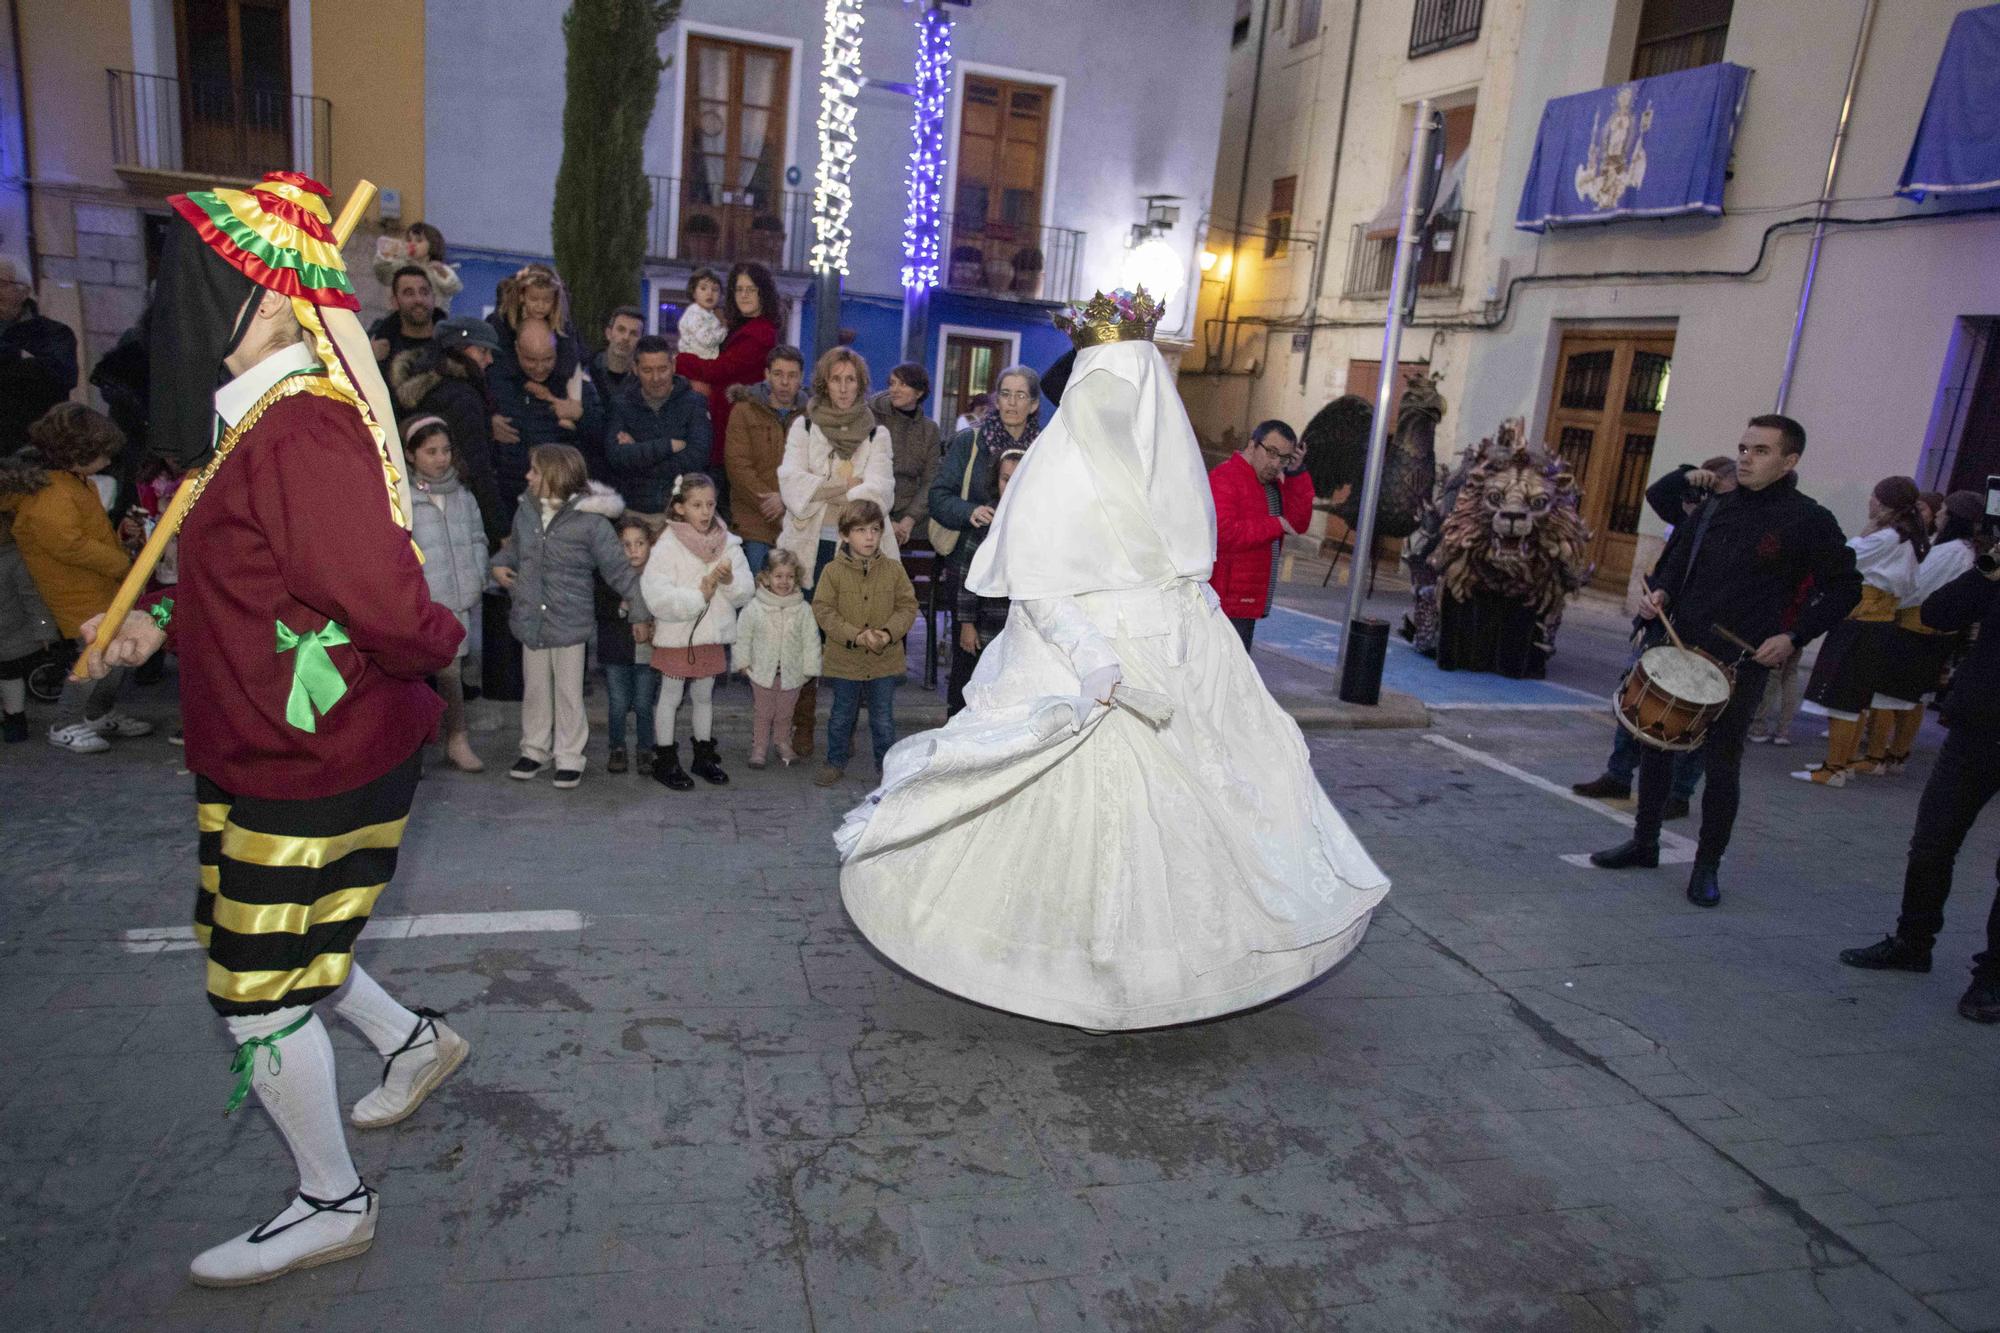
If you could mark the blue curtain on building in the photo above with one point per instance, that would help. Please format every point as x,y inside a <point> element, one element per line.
<point>1957,150</point>
<point>1652,148</point>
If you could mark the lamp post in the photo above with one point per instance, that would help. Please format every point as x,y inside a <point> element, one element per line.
<point>922,221</point>
<point>1417,186</point>
<point>833,193</point>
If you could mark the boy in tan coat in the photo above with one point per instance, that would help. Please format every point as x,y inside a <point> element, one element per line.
<point>865,605</point>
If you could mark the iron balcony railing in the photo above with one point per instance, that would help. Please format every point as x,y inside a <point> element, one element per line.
<point>216,128</point>
<point>697,222</point>
<point>1439,25</point>
<point>1026,263</point>
<point>1371,260</point>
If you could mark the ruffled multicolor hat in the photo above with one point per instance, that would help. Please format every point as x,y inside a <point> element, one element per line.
<point>276,235</point>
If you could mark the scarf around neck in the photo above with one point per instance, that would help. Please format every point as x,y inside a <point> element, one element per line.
<point>704,546</point>
<point>777,601</point>
<point>845,431</point>
<point>994,439</point>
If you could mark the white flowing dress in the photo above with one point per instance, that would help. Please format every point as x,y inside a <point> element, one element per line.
<point>1168,858</point>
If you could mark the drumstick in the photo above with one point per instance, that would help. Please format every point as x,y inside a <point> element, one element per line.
<point>1671,634</point>
<point>1734,638</point>
<point>148,558</point>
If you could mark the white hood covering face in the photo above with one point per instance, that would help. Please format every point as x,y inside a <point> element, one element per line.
<point>1112,495</point>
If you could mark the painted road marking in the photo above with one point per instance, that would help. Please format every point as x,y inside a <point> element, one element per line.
<point>1314,641</point>
<point>171,939</point>
<point>1674,849</point>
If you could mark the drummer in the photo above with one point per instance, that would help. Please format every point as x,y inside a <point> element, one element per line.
<point>1735,567</point>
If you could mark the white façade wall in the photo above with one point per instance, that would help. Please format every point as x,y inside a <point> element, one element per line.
<point>1888,298</point>
<point>1141,91</point>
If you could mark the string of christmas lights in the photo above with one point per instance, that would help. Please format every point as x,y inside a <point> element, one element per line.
<point>839,84</point>
<point>921,250</point>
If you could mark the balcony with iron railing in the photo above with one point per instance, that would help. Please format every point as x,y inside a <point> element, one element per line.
<point>695,222</point>
<point>166,130</point>
<point>1004,259</point>
<point>1439,25</point>
<point>1371,260</point>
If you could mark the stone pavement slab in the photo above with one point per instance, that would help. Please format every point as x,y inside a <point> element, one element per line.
<point>1537,1097</point>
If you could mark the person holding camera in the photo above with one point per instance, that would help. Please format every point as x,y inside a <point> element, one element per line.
<point>1965,777</point>
<point>1728,577</point>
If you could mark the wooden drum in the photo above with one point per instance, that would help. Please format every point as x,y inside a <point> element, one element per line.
<point>1671,697</point>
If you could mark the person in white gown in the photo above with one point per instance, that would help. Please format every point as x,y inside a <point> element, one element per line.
<point>1122,829</point>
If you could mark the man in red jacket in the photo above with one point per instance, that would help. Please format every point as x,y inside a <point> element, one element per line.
<point>304,630</point>
<point>1262,496</point>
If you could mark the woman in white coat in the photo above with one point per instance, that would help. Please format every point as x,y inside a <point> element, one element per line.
<point>835,452</point>
<point>1122,829</point>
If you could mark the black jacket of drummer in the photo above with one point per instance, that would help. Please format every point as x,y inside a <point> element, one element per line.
<point>1973,701</point>
<point>1751,552</point>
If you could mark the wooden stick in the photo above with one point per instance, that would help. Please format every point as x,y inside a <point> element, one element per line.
<point>1735,638</point>
<point>149,555</point>
<point>1671,632</point>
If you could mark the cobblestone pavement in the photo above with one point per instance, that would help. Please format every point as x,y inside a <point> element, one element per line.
<point>1538,1097</point>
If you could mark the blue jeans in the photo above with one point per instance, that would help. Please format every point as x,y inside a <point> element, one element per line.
<point>1626,752</point>
<point>754,555</point>
<point>633,687</point>
<point>847,699</point>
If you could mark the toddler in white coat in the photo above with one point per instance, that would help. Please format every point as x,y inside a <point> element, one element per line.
<point>777,647</point>
<point>695,582</point>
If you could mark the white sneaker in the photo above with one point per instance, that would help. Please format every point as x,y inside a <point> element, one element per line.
<point>310,1232</point>
<point>115,723</point>
<point>412,1073</point>
<point>78,738</point>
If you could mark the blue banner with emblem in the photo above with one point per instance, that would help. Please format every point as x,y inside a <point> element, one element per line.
<point>1652,148</point>
<point>1957,149</point>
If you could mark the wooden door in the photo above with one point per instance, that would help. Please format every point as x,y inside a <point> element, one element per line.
<point>733,161</point>
<point>970,366</point>
<point>1609,393</point>
<point>1002,150</point>
<point>235,85</point>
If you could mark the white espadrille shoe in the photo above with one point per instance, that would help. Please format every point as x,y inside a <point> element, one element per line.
<point>310,1232</point>
<point>412,1072</point>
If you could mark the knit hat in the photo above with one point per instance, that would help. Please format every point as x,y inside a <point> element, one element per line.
<point>465,331</point>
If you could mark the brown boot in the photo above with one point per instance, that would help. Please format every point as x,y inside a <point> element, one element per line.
<point>805,720</point>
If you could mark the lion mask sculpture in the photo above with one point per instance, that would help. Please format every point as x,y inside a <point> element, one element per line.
<point>1515,530</point>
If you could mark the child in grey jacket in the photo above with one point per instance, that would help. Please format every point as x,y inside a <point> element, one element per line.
<point>562,535</point>
<point>445,520</point>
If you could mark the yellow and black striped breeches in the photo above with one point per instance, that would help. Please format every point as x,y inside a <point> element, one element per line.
<point>286,886</point>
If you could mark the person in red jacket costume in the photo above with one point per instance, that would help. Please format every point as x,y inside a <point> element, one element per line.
<point>305,631</point>
<point>1262,496</point>
<point>752,313</point>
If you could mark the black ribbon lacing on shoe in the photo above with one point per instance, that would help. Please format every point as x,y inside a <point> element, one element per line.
<point>318,1206</point>
<point>425,1019</point>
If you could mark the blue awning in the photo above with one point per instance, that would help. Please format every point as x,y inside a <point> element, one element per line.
<point>1651,148</point>
<point>1957,149</point>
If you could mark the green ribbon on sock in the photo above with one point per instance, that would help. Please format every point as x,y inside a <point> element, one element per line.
<point>245,1062</point>
<point>316,681</point>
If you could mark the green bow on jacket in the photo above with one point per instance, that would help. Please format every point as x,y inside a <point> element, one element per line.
<point>316,682</point>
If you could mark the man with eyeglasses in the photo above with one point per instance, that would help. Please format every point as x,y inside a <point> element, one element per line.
<point>1262,496</point>
<point>37,359</point>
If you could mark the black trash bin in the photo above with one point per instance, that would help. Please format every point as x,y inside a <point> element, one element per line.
<point>1367,650</point>
<point>499,652</point>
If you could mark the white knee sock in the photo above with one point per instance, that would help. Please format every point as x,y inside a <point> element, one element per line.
<point>294,1080</point>
<point>373,1011</point>
<point>669,706</point>
<point>13,696</point>
<point>704,708</point>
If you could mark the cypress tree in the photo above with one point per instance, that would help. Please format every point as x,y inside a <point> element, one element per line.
<point>611,77</point>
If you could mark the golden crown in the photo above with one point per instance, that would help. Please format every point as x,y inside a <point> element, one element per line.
<point>1121,316</point>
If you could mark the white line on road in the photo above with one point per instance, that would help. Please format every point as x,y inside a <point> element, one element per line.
<point>170,939</point>
<point>1674,849</point>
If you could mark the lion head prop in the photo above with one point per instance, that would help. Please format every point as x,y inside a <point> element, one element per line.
<point>1515,530</point>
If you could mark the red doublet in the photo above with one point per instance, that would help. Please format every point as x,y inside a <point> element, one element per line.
<point>295,528</point>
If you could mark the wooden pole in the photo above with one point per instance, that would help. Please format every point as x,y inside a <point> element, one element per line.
<point>149,555</point>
